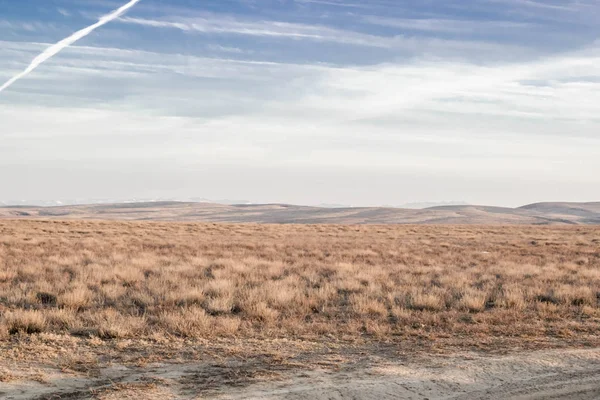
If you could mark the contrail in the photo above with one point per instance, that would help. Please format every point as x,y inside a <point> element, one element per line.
<point>55,48</point>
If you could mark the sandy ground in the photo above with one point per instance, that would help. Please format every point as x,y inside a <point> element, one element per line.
<point>564,374</point>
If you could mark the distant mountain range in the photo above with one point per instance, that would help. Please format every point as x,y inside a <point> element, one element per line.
<point>85,201</point>
<point>74,202</point>
<point>536,214</point>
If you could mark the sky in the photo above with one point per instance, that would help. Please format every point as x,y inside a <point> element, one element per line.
<point>380,102</point>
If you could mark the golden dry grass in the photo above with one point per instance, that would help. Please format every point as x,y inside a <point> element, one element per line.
<point>134,280</point>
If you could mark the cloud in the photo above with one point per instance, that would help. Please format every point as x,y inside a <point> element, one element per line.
<point>265,29</point>
<point>563,87</point>
<point>571,6</point>
<point>554,13</point>
<point>228,49</point>
<point>399,45</point>
<point>447,25</point>
<point>64,12</point>
<point>570,91</point>
<point>29,26</point>
<point>342,3</point>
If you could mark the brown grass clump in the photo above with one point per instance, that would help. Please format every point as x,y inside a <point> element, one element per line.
<point>25,321</point>
<point>133,280</point>
<point>187,322</point>
<point>78,298</point>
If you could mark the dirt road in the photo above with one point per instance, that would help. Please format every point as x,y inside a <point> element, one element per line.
<point>539,375</point>
<point>568,374</point>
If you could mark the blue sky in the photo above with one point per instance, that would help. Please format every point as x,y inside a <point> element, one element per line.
<point>305,101</point>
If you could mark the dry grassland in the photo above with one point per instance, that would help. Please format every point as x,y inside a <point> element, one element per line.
<point>151,281</point>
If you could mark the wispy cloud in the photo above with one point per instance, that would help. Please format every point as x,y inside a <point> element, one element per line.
<point>561,87</point>
<point>401,44</point>
<point>447,25</point>
<point>265,29</point>
<point>558,12</point>
<point>228,49</point>
<point>339,3</point>
<point>29,26</point>
<point>571,6</point>
<point>64,12</point>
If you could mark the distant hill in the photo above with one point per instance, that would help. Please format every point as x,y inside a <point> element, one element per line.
<point>574,208</point>
<point>536,214</point>
<point>434,204</point>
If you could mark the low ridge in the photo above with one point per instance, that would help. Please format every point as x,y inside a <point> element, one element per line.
<point>533,214</point>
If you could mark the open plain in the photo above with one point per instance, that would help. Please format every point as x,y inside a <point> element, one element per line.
<point>108,309</point>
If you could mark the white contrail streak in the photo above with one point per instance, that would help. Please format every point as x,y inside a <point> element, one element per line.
<point>55,48</point>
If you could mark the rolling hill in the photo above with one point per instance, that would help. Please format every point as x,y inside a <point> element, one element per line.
<point>535,214</point>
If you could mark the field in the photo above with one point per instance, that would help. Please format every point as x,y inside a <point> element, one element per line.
<point>76,296</point>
